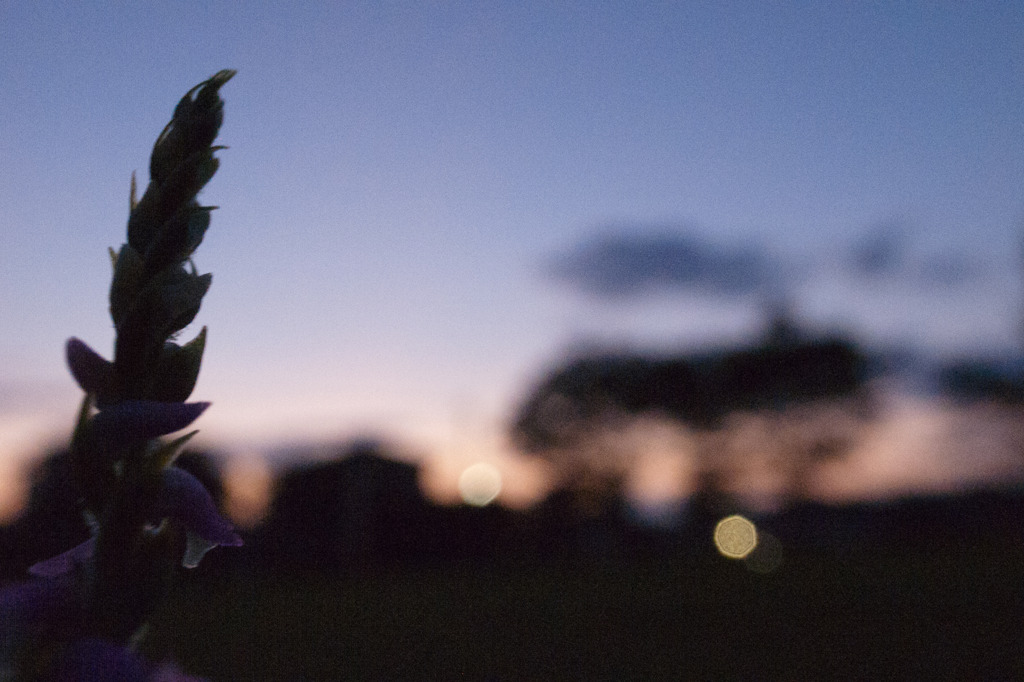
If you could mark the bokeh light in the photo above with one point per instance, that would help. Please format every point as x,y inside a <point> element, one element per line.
<point>480,484</point>
<point>735,537</point>
<point>247,482</point>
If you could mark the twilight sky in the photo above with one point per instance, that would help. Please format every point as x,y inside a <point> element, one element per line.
<point>425,204</point>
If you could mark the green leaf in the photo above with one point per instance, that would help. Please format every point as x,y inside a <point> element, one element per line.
<point>167,151</point>
<point>168,247</point>
<point>167,303</point>
<point>177,370</point>
<point>198,223</point>
<point>165,455</point>
<point>91,471</point>
<point>145,219</point>
<point>206,168</point>
<point>182,301</point>
<point>124,289</point>
<point>178,238</point>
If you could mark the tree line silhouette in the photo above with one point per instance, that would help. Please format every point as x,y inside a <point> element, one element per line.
<point>364,511</point>
<point>364,508</point>
<point>808,396</point>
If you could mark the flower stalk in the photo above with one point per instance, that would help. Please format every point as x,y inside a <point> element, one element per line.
<point>147,515</point>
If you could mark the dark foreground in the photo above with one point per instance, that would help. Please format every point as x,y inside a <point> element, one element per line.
<point>950,612</point>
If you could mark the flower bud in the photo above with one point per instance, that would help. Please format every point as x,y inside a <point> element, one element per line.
<point>186,499</point>
<point>127,282</point>
<point>177,370</point>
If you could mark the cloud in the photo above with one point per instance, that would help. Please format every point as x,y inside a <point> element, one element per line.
<point>950,269</point>
<point>638,260</point>
<point>634,263</point>
<point>886,254</point>
<point>880,253</point>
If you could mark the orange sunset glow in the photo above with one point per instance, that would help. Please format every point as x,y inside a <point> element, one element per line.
<point>914,445</point>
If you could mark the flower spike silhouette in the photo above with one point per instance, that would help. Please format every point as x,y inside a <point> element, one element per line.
<point>76,618</point>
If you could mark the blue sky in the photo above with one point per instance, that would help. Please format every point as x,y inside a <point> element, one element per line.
<point>402,177</point>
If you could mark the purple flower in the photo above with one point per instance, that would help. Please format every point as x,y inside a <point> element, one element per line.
<point>98,660</point>
<point>101,661</point>
<point>186,499</point>
<point>183,498</point>
<point>134,421</point>
<point>93,373</point>
<point>66,562</point>
<point>40,608</point>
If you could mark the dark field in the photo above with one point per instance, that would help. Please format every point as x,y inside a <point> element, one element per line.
<point>951,612</point>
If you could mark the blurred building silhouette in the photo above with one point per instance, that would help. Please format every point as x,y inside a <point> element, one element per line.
<point>359,509</point>
<point>365,512</point>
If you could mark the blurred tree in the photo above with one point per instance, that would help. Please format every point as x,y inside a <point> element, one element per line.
<point>52,519</point>
<point>972,381</point>
<point>796,401</point>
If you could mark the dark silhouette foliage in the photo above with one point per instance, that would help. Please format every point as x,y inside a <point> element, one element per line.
<point>808,398</point>
<point>54,518</point>
<point>696,390</point>
<point>969,381</point>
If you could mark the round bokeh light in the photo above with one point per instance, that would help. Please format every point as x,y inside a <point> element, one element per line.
<point>480,484</point>
<point>735,537</point>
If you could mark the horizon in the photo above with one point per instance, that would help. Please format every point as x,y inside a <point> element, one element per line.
<point>919,442</point>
